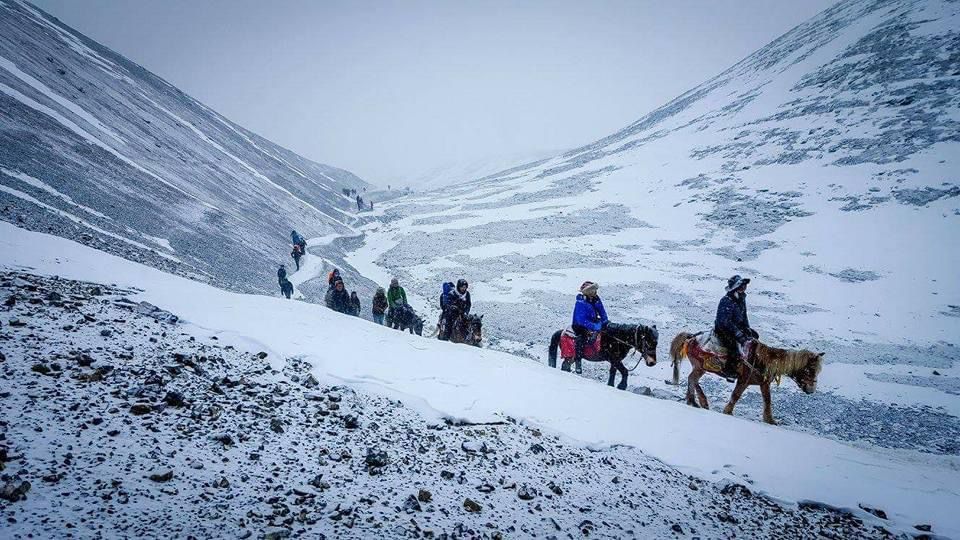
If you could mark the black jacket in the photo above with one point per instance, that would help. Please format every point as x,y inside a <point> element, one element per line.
<point>457,305</point>
<point>732,322</point>
<point>340,301</point>
<point>281,274</point>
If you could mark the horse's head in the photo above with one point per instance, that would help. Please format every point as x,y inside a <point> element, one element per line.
<point>474,330</point>
<point>806,376</point>
<point>418,325</point>
<point>646,343</point>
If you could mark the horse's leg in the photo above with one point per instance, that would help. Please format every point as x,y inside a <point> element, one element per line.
<point>692,381</point>
<point>742,384</point>
<point>623,375</point>
<point>767,404</point>
<point>566,365</point>
<point>701,397</point>
<point>613,373</point>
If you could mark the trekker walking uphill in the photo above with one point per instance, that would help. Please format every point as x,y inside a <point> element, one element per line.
<point>732,327</point>
<point>281,275</point>
<point>286,288</point>
<point>296,254</point>
<point>333,277</point>
<point>354,304</point>
<point>396,297</point>
<point>456,304</point>
<point>589,318</point>
<point>339,299</point>
<point>298,241</point>
<point>379,305</point>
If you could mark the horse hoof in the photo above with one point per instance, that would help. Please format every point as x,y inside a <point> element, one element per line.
<point>621,387</point>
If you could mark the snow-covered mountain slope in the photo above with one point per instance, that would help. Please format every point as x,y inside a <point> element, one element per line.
<point>825,166</point>
<point>477,386</point>
<point>96,148</point>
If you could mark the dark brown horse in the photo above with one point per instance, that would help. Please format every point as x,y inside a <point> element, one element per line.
<point>468,329</point>
<point>765,365</point>
<point>616,341</point>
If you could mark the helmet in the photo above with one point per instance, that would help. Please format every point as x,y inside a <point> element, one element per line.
<point>462,283</point>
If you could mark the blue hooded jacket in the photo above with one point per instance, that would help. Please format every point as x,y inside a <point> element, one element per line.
<point>590,315</point>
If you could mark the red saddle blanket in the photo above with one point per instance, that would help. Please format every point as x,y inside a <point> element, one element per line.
<point>568,345</point>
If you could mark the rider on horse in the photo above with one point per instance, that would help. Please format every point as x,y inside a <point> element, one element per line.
<point>589,318</point>
<point>732,327</point>
<point>457,305</point>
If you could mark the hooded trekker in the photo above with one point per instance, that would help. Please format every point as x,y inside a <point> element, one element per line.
<point>332,278</point>
<point>340,298</point>
<point>296,254</point>
<point>456,305</point>
<point>354,304</point>
<point>281,274</point>
<point>732,327</point>
<point>379,305</point>
<point>396,297</point>
<point>589,318</point>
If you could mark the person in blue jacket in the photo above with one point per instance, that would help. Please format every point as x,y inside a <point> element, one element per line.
<point>589,318</point>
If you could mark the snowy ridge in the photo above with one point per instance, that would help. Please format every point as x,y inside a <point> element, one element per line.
<point>139,160</point>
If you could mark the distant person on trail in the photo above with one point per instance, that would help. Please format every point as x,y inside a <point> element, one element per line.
<point>371,205</point>
<point>589,318</point>
<point>359,204</point>
<point>354,304</point>
<point>298,240</point>
<point>286,288</point>
<point>456,305</point>
<point>396,297</point>
<point>332,278</point>
<point>281,274</point>
<point>296,254</point>
<point>379,305</point>
<point>732,327</point>
<point>340,299</point>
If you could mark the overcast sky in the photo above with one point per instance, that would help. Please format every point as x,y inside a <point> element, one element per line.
<point>390,89</point>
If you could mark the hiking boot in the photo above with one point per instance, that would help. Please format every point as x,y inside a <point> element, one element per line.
<point>730,370</point>
<point>579,368</point>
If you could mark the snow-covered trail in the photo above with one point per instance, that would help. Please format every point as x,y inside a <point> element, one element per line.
<point>482,385</point>
<point>311,264</point>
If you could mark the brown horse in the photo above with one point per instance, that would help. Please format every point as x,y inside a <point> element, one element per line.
<point>767,364</point>
<point>468,329</point>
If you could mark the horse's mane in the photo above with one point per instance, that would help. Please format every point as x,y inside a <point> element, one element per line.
<point>776,362</point>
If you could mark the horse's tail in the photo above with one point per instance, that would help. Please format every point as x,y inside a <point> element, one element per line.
<point>678,351</point>
<point>554,345</point>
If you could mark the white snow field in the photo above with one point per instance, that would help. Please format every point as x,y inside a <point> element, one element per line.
<point>482,385</point>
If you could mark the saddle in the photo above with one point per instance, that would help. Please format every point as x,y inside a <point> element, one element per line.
<point>568,345</point>
<point>710,352</point>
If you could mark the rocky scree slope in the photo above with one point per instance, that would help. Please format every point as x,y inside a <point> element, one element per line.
<point>96,148</point>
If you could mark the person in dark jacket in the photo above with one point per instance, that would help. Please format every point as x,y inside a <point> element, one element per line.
<point>354,304</point>
<point>298,241</point>
<point>340,299</point>
<point>589,318</point>
<point>296,254</point>
<point>286,288</point>
<point>379,305</point>
<point>456,305</point>
<point>732,327</point>
<point>281,275</point>
<point>332,278</point>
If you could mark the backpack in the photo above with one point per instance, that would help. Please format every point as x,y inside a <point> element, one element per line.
<point>447,287</point>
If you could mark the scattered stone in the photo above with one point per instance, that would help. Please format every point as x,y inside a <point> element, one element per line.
<point>525,494</point>
<point>537,448</point>
<point>350,421</point>
<point>424,496</point>
<point>555,488</point>
<point>174,399</point>
<point>42,369</point>
<point>471,506</point>
<point>106,332</point>
<point>412,504</point>
<point>14,489</point>
<point>141,408</point>
<point>376,458</point>
<point>164,476</point>
<point>924,528</point>
<point>276,425</point>
<point>875,511</point>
